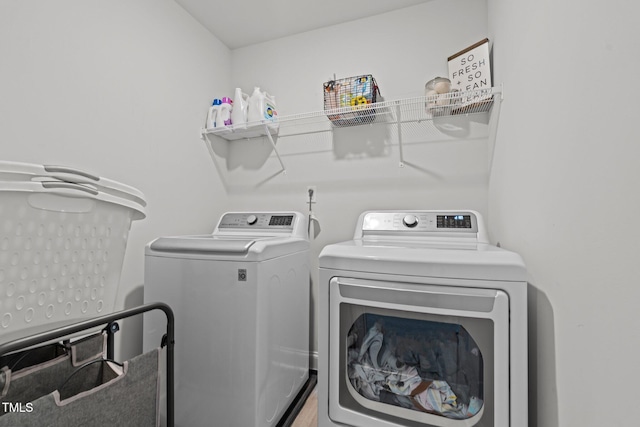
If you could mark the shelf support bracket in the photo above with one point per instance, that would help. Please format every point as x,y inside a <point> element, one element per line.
<point>275,150</point>
<point>399,120</point>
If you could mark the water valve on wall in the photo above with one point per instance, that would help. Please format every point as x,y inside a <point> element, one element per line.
<point>311,195</point>
<point>313,221</point>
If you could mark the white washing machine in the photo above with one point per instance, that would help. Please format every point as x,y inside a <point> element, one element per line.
<point>422,323</point>
<point>241,303</point>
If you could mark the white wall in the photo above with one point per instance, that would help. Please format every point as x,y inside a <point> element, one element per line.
<point>358,169</point>
<point>119,89</point>
<point>563,193</point>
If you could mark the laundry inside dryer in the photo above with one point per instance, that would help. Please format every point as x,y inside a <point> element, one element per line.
<point>412,363</point>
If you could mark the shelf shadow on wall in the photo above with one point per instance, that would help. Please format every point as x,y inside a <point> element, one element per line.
<point>424,170</point>
<point>459,126</point>
<point>361,141</point>
<point>430,147</point>
<point>248,154</point>
<point>543,390</point>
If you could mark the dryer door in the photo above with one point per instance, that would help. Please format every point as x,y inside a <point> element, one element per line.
<point>407,354</point>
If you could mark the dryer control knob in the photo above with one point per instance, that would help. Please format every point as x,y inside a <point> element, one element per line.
<point>252,219</point>
<point>410,221</point>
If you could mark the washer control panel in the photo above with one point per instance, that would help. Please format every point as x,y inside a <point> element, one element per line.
<point>421,221</point>
<point>265,221</point>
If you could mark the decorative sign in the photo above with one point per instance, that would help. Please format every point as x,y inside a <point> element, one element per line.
<point>470,70</point>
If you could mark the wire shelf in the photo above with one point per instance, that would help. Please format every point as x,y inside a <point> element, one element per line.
<point>401,111</point>
<point>409,109</point>
<point>396,111</point>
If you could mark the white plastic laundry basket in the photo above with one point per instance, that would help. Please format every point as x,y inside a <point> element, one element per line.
<point>63,236</point>
<point>16,171</point>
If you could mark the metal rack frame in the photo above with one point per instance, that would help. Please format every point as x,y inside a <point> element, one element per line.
<point>66,331</point>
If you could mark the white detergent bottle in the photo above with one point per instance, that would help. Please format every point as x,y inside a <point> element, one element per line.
<point>213,114</point>
<point>254,111</point>
<point>224,114</point>
<point>239,111</point>
<point>262,109</point>
<point>269,111</point>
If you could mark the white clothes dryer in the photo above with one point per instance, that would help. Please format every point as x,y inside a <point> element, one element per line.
<point>422,323</point>
<point>241,302</point>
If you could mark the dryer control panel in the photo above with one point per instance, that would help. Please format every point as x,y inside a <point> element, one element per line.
<point>264,221</point>
<point>421,222</point>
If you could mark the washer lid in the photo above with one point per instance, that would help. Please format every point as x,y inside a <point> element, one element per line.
<point>226,247</point>
<point>203,245</point>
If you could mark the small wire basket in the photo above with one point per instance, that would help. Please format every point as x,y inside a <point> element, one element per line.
<point>348,102</point>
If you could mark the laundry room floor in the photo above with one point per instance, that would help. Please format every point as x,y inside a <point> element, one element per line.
<point>303,412</point>
<point>308,416</point>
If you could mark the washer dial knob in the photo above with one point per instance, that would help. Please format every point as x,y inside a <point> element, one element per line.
<point>410,221</point>
<point>252,219</point>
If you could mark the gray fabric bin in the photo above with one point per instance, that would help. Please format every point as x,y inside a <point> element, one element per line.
<point>47,370</point>
<point>27,358</point>
<point>98,395</point>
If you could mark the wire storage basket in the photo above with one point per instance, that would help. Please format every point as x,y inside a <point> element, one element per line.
<point>349,101</point>
<point>63,236</point>
<point>458,103</point>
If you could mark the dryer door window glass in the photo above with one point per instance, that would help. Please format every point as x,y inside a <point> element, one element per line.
<point>417,354</point>
<point>423,365</point>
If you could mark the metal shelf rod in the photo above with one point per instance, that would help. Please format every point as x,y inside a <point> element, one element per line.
<point>275,150</point>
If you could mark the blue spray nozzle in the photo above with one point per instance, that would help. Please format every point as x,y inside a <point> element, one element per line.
<point>217,102</point>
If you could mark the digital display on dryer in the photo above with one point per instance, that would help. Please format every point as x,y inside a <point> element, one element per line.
<point>281,220</point>
<point>454,221</point>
